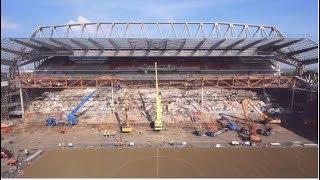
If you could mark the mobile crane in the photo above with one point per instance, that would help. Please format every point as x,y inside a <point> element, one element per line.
<point>157,124</point>
<point>71,117</point>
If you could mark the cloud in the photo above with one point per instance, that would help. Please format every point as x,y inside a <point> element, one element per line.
<point>9,25</point>
<point>79,20</point>
<point>82,20</point>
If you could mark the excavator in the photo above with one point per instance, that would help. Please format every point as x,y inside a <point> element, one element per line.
<point>125,127</point>
<point>157,124</point>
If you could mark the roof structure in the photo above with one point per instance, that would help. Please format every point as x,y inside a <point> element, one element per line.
<point>158,39</point>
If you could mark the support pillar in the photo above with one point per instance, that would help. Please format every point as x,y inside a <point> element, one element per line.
<point>299,71</point>
<point>292,95</point>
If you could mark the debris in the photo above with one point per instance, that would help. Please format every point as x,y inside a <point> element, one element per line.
<point>33,155</point>
<point>235,143</point>
<point>247,143</point>
<point>70,145</point>
<point>6,128</point>
<point>310,145</point>
<point>5,153</point>
<point>12,169</point>
<point>12,162</point>
<point>131,144</point>
<point>26,151</point>
<point>275,144</point>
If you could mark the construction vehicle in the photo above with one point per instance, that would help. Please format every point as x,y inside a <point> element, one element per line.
<point>248,132</point>
<point>125,126</point>
<point>13,161</point>
<point>71,117</point>
<point>216,133</point>
<point>227,123</point>
<point>264,132</point>
<point>212,129</point>
<point>200,130</point>
<point>157,124</point>
<point>266,119</point>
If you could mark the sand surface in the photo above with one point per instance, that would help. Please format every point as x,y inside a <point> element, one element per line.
<point>188,162</point>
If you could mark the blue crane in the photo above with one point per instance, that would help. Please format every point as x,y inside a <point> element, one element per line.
<point>71,117</point>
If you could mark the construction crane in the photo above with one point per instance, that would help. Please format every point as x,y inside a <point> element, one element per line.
<point>251,133</point>
<point>266,119</point>
<point>125,126</point>
<point>157,124</point>
<point>71,117</point>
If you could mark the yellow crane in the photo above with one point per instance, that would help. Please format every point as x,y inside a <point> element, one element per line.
<point>125,127</point>
<point>157,124</point>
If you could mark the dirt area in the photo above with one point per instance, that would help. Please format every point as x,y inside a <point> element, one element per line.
<point>175,163</point>
<point>42,137</point>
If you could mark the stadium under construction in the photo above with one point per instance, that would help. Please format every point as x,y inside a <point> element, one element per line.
<point>158,84</point>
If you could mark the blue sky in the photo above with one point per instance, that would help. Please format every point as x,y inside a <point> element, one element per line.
<point>294,18</point>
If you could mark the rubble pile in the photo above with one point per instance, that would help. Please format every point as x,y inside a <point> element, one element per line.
<point>178,104</point>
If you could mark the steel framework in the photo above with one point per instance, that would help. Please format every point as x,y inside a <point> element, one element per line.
<point>105,81</point>
<point>158,30</point>
<point>158,39</point>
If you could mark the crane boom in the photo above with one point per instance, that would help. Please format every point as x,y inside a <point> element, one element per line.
<point>125,127</point>
<point>71,117</point>
<point>267,119</point>
<point>158,119</point>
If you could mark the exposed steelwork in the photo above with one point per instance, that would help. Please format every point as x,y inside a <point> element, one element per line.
<point>18,50</point>
<point>106,81</point>
<point>158,39</point>
<point>157,30</point>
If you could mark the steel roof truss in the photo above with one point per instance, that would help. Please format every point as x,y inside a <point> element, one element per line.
<point>49,46</point>
<point>81,45</point>
<point>270,44</point>
<point>217,44</point>
<point>252,44</point>
<point>199,44</point>
<point>25,44</point>
<point>182,44</point>
<point>114,44</point>
<point>98,45</point>
<point>235,44</point>
<point>309,61</point>
<point>66,46</point>
<point>13,51</point>
<point>301,51</point>
<point>286,44</point>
